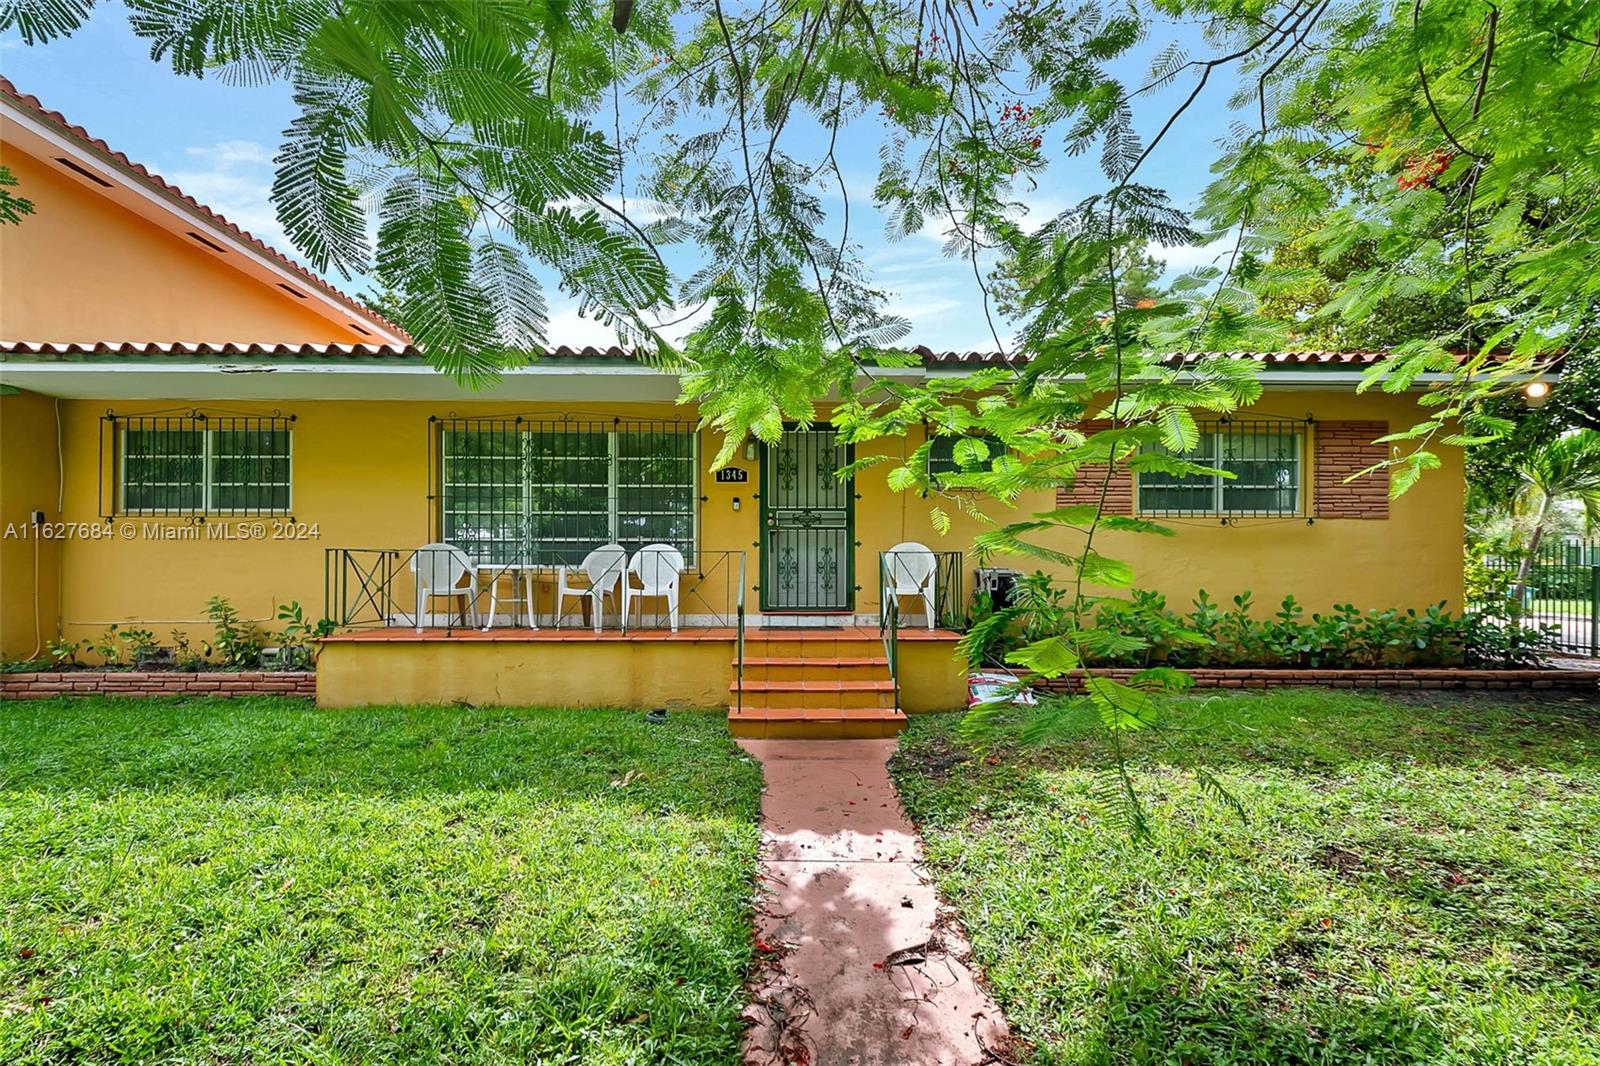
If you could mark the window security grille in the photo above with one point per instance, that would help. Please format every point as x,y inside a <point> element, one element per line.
<point>1266,458</point>
<point>196,464</point>
<point>942,455</point>
<point>551,491</point>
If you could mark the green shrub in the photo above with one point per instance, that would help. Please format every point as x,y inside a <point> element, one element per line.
<point>184,657</point>
<point>141,644</point>
<point>109,646</point>
<point>1152,634</point>
<point>238,642</point>
<point>294,644</point>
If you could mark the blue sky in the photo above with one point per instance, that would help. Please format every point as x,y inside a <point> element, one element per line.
<point>216,142</point>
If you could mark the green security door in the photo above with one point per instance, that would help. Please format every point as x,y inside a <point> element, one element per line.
<point>808,524</point>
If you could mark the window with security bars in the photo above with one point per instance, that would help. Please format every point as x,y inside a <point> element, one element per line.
<point>1265,458</point>
<point>514,489</point>
<point>198,465</point>
<point>942,455</point>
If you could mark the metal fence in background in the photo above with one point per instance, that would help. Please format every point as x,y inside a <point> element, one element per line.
<point>1556,588</point>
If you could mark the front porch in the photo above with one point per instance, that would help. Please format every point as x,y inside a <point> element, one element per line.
<point>813,681</point>
<point>505,634</point>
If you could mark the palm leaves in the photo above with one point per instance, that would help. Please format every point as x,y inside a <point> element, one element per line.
<point>1568,469</point>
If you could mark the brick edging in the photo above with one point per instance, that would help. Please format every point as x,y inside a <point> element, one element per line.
<point>139,684</point>
<point>1433,678</point>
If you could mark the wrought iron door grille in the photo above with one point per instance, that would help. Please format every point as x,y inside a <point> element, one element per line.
<point>196,464</point>
<point>510,489</point>
<point>1266,457</point>
<point>808,535</point>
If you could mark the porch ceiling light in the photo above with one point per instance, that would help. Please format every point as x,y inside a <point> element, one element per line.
<point>1535,393</point>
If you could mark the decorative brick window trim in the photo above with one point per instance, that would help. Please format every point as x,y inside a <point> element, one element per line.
<point>1420,678</point>
<point>1343,448</point>
<point>135,684</point>
<point>1091,479</point>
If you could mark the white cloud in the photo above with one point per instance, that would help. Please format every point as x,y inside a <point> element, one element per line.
<point>226,154</point>
<point>1181,259</point>
<point>567,326</point>
<point>234,179</point>
<point>640,209</point>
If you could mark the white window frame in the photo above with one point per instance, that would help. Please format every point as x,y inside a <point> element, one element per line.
<point>613,484</point>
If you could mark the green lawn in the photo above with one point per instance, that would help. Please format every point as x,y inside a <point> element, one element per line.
<point>1418,882</point>
<point>229,882</point>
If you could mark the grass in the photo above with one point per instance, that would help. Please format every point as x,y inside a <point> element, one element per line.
<point>1573,607</point>
<point>1417,882</point>
<point>256,881</point>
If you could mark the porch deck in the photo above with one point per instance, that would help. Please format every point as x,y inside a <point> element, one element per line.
<point>795,681</point>
<point>611,634</point>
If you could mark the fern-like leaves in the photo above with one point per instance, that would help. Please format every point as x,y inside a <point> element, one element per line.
<point>315,200</point>
<point>42,21</point>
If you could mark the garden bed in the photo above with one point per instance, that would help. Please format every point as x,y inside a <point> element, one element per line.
<point>1362,677</point>
<point>148,683</point>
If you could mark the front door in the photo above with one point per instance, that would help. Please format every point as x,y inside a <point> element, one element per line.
<point>808,523</point>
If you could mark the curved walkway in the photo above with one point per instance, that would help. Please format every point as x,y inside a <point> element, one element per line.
<point>860,963</point>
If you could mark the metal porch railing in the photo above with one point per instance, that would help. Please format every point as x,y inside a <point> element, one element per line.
<point>374,587</point>
<point>948,600</point>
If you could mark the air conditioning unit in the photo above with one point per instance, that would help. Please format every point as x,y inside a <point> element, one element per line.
<point>998,582</point>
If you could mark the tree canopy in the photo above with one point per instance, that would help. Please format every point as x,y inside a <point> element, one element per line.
<point>1422,174</point>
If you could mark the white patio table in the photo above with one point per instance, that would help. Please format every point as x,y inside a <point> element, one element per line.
<point>523,574</point>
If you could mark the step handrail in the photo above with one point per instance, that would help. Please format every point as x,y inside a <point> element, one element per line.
<point>738,698</point>
<point>889,623</point>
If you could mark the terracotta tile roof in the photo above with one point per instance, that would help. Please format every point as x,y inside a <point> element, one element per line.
<point>1307,358</point>
<point>156,182</point>
<point>236,348</point>
<point>589,353</point>
<point>202,349</point>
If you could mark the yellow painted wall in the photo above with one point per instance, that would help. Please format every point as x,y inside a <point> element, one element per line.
<point>360,472</point>
<point>82,268</point>
<point>359,479</point>
<point>29,563</point>
<point>679,674</point>
<point>1410,559</point>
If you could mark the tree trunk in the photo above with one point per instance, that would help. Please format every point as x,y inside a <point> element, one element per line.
<point>1518,591</point>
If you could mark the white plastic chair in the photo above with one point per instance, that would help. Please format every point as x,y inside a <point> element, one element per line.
<point>658,568</point>
<point>439,569</point>
<point>913,570</point>
<point>604,567</point>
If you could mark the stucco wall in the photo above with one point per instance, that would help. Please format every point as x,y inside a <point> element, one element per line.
<point>360,473</point>
<point>81,268</point>
<point>29,563</point>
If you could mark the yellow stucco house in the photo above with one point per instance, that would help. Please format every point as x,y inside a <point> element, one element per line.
<point>185,413</point>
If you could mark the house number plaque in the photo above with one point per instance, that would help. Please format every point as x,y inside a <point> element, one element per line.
<point>732,475</point>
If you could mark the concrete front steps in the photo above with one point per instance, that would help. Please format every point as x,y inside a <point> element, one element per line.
<point>814,684</point>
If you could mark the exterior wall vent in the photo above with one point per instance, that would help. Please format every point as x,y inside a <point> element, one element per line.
<point>219,249</point>
<point>83,172</point>
<point>292,291</point>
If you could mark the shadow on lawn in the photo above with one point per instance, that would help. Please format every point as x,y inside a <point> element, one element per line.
<point>1146,1014</point>
<point>223,747</point>
<point>1303,730</point>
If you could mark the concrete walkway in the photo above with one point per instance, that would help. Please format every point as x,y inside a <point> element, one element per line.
<point>860,964</point>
